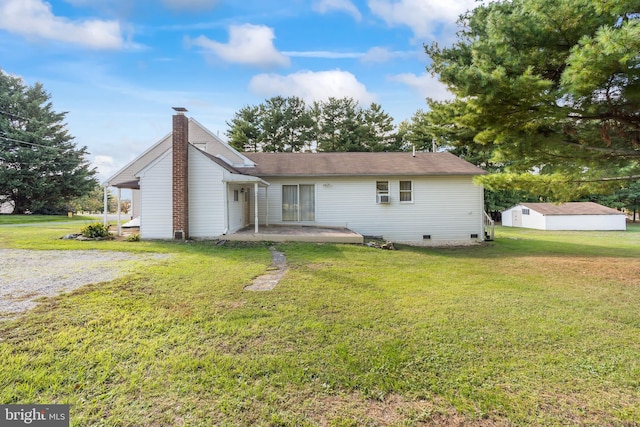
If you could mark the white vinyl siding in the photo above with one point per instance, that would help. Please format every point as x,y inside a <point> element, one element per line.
<point>538,221</point>
<point>207,216</point>
<point>156,215</point>
<point>447,208</point>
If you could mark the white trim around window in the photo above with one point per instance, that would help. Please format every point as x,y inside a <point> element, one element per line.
<point>406,191</point>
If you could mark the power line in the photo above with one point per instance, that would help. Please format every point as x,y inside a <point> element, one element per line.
<point>7,139</point>
<point>15,116</point>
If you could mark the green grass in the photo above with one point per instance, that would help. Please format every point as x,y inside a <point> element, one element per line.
<point>28,219</point>
<point>536,328</point>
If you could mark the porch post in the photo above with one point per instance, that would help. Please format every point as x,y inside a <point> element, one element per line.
<point>119,196</point>
<point>105,206</point>
<point>266,213</point>
<point>255,191</point>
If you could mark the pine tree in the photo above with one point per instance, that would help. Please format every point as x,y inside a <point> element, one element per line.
<point>550,87</point>
<point>41,169</point>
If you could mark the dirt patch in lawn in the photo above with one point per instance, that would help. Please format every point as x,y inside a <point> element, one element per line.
<point>622,271</point>
<point>392,410</point>
<point>26,275</point>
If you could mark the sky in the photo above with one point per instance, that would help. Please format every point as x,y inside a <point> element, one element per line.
<point>118,66</point>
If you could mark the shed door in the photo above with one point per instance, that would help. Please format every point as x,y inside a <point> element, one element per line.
<point>516,218</point>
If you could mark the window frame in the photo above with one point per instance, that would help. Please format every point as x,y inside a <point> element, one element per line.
<point>299,209</point>
<point>383,191</point>
<point>409,191</point>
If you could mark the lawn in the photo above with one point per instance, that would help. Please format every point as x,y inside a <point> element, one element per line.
<point>28,219</point>
<point>535,328</point>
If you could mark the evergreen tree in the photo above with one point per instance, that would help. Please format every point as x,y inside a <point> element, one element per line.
<point>288,124</point>
<point>551,88</point>
<point>245,129</point>
<point>41,169</point>
<point>378,129</point>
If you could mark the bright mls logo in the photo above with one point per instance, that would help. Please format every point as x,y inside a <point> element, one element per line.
<point>34,415</point>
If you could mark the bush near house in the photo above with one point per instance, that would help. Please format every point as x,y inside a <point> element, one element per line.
<point>95,230</point>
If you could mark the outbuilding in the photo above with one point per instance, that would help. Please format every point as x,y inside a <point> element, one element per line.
<point>565,216</point>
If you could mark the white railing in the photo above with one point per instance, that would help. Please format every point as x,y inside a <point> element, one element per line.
<point>489,226</point>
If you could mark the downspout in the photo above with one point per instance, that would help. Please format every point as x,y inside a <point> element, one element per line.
<point>266,193</point>
<point>226,211</point>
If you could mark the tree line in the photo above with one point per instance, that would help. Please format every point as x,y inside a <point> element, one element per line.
<point>288,124</point>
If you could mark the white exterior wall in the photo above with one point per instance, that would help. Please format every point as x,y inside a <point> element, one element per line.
<point>207,213</point>
<point>532,220</point>
<point>538,221</point>
<point>449,209</point>
<point>156,212</point>
<point>237,218</point>
<point>135,203</point>
<point>586,222</point>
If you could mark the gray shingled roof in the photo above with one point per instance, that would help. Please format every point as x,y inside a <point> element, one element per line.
<point>572,208</point>
<point>358,164</point>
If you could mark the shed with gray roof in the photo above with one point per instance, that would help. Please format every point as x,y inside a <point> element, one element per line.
<point>565,216</point>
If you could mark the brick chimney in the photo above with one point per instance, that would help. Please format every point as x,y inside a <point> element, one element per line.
<point>180,180</point>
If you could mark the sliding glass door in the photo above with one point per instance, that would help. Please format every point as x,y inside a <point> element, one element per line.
<point>298,202</point>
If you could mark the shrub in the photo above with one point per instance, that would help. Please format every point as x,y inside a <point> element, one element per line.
<point>95,230</point>
<point>133,237</point>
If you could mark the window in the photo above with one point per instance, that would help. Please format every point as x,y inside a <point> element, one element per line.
<point>382,188</point>
<point>525,211</point>
<point>298,202</point>
<point>406,191</point>
<point>236,196</point>
<point>382,192</point>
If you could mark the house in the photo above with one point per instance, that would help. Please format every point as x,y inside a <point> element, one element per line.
<point>191,184</point>
<point>566,216</point>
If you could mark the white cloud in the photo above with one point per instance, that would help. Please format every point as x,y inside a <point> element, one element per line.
<point>422,16</point>
<point>35,19</point>
<point>312,86</point>
<point>324,6</point>
<point>248,44</point>
<point>425,85</point>
<point>105,166</point>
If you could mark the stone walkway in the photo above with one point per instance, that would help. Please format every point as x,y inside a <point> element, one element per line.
<point>274,274</point>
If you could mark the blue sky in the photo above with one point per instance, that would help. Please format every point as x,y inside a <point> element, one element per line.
<point>118,66</point>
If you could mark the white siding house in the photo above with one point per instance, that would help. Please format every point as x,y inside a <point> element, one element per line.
<point>417,198</point>
<point>566,216</point>
<point>439,210</point>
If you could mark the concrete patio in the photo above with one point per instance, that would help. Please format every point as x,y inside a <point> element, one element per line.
<point>299,233</point>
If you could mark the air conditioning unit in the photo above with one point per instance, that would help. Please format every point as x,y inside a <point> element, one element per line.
<point>382,198</point>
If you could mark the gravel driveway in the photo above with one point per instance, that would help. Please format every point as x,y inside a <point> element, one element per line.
<point>27,275</point>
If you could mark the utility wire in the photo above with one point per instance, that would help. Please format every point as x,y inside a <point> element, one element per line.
<point>7,139</point>
<point>15,116</point>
